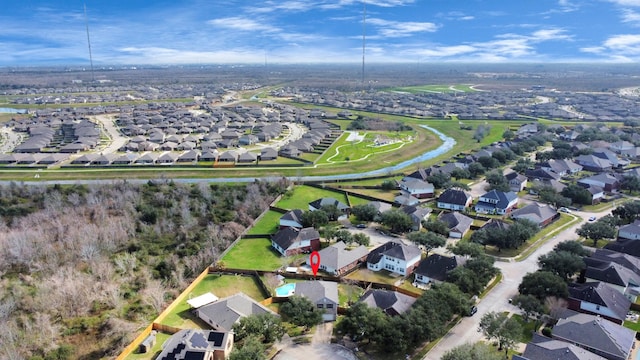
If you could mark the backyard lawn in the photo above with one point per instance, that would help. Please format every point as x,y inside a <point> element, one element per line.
<point>155,351</point>
<point>301,196</point>
<point>221,286</point>
<point>253,254</point>
<point>268,224</point>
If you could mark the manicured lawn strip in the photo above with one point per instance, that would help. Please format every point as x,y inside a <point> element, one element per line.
<point>252,254</point>
<point>301,196</point>
<point>331,151</point>
<point>363,182</point>
<point>268,224</point>
<point>309,156</point>
<point>364,150</point>
<point>155,351</point>
<point>377,193</point>
<point>356,200</point>
<point>528,328</point>
<point>221,286</point>
<point>348,293</point>
<point>635,326</point>
<point>343,123</point>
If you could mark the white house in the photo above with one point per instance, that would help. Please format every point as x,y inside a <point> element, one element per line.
<point>630,231</point>
<point>454,199</point>
<point>394,257</point>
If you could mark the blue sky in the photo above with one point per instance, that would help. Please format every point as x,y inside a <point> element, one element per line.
<point>318,31</point>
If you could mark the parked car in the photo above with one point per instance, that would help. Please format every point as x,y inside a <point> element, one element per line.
<point>473,310</point>
<point>593,218</point>
<point>361,226</point>
<point>565,210</point>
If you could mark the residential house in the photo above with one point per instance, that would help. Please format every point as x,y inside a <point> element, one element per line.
<point>406,200</point>
<point>390,302</point>
<point>454,199</point>
<point>594,163</point>
<point>517,182</point>
<point>495,224</point>
<point>610,156</point>
<point>247,157</point>
<point>436,267</point>
<point>626,260</point>
<point>626,246</point>
<point>338,260</point>
<point>291,241</point>
<point>417,188</point>
<point>380,206</point>
<point>608,182</point>
<point>630,231</point>
<point>222,314</point>
<point>561,167</point>
<point>329,201</point>
<point>596,193</point>
<point>228,156</point>
<point>621,146</point>
<point>598,298</point>
<point>597,335</point>
<point>618,277</point>
<point>268,154</point>
<point>457,223</point>
<point>543,348</point>
<point>497,202</point>
<point>291,218</point>
<point>192,344</point>
<point>541,174</point>
<point>569,135</point>
<point>556,185</point>
<point>324,294</point>
<point>417,215</point>
<point>394,257</point>
<point>540,214</point>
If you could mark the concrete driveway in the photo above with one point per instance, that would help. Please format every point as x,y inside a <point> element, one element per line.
<point>319,349</point>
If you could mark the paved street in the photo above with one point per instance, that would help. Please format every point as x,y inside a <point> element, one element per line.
<point>466,331</point>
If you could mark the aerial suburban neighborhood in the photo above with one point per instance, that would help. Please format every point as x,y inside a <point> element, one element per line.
<point>219,219</point>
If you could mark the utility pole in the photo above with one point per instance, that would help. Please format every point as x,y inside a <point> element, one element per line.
<point>364,37</point>
<point>86,22</point>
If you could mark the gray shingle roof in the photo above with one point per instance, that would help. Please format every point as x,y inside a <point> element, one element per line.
<point>596,333</point>
<point>316,290</point>
<point>601,294</point>
<point>391,302</point>
<point>437,266</point>
<point>337,256</point>
<point>557,350</point>
<point>225,312</point>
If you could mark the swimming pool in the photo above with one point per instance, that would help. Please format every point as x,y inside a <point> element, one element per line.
<point>286,290</point>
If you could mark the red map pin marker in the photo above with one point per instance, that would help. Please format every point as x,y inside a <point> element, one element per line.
<point>314,260</point>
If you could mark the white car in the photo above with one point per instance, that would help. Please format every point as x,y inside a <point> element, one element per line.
<point>593,218</point>
<point>565,210</point>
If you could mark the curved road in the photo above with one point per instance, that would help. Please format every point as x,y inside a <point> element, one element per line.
<point>497,300</point>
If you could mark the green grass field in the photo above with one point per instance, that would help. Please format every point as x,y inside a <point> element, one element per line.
<point>301,196</point>
<point>155,351</point>
<point>268,224</point>
<point>365,149</point>
<point>253,254</point>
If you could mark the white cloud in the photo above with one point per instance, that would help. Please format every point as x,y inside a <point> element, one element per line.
<point>393,29</point>
<point>242,24</point>
<point>630,16</point>
<point>288,6</point>
<point>632,3</point>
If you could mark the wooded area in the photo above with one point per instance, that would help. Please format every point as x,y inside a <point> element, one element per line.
<point>84,267</point>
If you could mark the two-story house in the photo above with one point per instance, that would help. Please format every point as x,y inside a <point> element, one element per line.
<point>394,257</point>
<point>497,202</point>
<point>454,199</point>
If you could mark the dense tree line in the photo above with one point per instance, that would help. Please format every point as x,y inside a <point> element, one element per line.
<point>83,267</point>
<point>425,321</point>
<point>506,238</point>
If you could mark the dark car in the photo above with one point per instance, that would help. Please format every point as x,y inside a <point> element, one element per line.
<point>473,310</point>
<point>361,226</point>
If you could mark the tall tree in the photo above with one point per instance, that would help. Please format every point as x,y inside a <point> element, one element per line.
<point>301,311</point>
<point>505,330</point>
<point>572,246</point>
<point>267,327</point>
<point>252,349</point>
<point>362,322</point>
<point>596,231</point>
<point>529,305</point>
<point>543,284</point>
<point>364,212</point>
<point>396,220</point>
<point>562,263</point>
<point>429,240</point>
